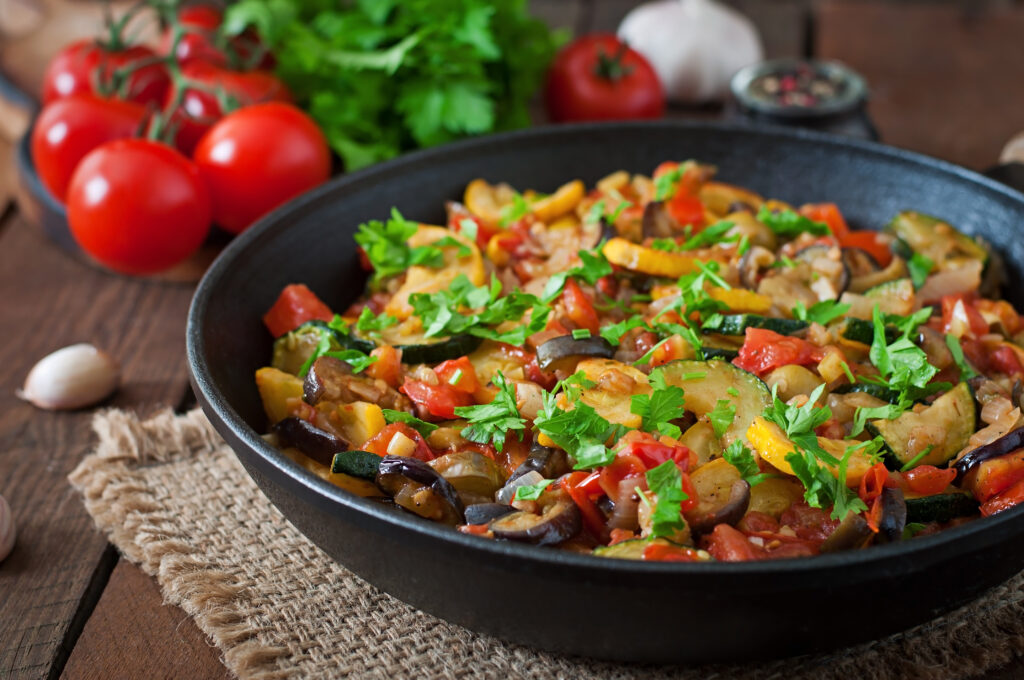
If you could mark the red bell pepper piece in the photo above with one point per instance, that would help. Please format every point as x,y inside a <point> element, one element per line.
<point>764,350</point>
<point>296,305</point>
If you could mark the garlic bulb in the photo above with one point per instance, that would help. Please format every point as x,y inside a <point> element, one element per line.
<point>694,45</point>
<point>1013,152</point>
<point>6,529</point>
<point>72,377</point>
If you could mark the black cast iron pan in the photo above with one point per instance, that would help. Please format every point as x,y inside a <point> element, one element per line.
<point>576,603</point>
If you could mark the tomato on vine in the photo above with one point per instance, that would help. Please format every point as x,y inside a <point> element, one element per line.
<point>259,157</point>
<point>138,206</point>
<point>132,73</point>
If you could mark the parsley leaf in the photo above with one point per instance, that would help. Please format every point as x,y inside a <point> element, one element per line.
<point>709,236</point>
<point>581,431</point>
<point>966,370</point>
<point>665,185</point>
<point>664,404</point>
<point>328,346</point>
<point>368,322</point>
<point>515,211</point>
<point>820,312</point>
<point>787,223</point>
<point>594,265</point>
<point>666,482</point>
<point>531,492</point>
<point>385,244</point>
<point>443,312</point>
<point>903,365</point>
<point>742,458</point>
<point>615,332</point>
<point>598,212</point>
<point>721,416</point>
<point>421,426</point>
<point>491,423</point>
<point>920,267</point>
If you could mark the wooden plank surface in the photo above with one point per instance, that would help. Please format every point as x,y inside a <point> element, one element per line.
<point>945,80</point>
<point>50,301</point>
<point>133,634</point>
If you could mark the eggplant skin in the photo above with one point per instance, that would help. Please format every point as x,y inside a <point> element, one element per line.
<point>1011,441</point>
<point>894,516</point>
<point>565,351</point>
<point>559,522</point>
<point>549,462</point>
<point>484,513</point>
<point>402,478</point>
<point>318,444</point>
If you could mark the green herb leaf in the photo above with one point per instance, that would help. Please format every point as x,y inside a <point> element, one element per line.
<point>531,492</point>
<point>581,431</point>
<point>491,423</point>
<point>664,404</point>
<point>820,312</point>
<point>385,244</point>
<point>421,426</point>
<point>368,322</point>
<point>665,184</point>
<point>593,266</point>
<point>920,266</point>
<point>666,482</point>
<point>515,211</point>
<point>742,458</point>
<point>788,224</point>
<point>966,370</point>
<point>722,416</point>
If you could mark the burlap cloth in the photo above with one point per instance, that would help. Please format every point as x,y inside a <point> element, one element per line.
<point>174,499</point>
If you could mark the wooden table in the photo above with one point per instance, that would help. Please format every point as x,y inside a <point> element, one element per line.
<point>943,82</point>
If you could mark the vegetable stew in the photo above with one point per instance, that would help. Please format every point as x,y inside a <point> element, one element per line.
<point>663,368</point>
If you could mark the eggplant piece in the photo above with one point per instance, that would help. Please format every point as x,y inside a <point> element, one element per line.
<point>752,264</point>
<point>318,444</point>
<point>1009,442</point>
<point>860,262</point>
<point>852,533</point>
<point>565,351</point>
<point>828,263</point>
<point>331,379</point>
<point>417,487</point>
<point>474,475</point>
<point>657,223</point>
<point>894,516</point>
<point>484,513</point>
<point>559,521</point>
<point>550,463</point>
<point>731,512</point>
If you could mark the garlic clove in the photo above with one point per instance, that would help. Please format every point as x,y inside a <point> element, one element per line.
<point>73,377</point>
<point>1013,152</point>
<point>7,533</point>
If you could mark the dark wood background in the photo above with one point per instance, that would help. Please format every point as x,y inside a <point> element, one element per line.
<point>946,78</point>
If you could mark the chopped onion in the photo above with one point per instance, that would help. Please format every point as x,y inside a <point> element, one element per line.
<point>963,279</point>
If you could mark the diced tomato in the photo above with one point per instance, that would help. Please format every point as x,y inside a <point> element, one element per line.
<point>830,215</point>
<point>388,366</point>
<point>1004,360</point>
<point>874,482</point>
<point>474,529</point>
<point>653,453</point>
<point>764,350</point>
<point>438,400</point>
<point>686,210</point>
<point>995,475</point>
<point>673,348</point>
<point>755,521</point>
<point>1005,500</point>
<point>727,544</point>
<point>591,485</point>
<point>484,230</point>
<point>1004,311</point>
<point>380,442</point>
<point>811,524</point>
<point>624,466</point>
<point>532,372</point>
<point>692,499</point>
<point>620,535</point>
<point>657,552</point>
<point>869,242</point>
<point>579,307</point>
<point>296,305</point>
<point>364,259</point>
<point>929,480</point>
<point>448,372</point>
<point>593,519</point>
<point>960,317</point>
<point>608,285</point>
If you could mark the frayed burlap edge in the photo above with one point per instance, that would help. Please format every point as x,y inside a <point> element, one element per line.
<point>981,636</point>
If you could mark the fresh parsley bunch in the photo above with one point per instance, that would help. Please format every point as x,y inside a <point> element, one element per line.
<point>384,76</point>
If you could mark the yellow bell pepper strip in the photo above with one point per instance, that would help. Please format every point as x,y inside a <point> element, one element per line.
<point>629,255</point>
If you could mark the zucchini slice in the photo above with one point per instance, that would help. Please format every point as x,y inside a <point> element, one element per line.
<point>862,330</point>
<point>361,464</point>
<point>737,324</point>
<point>941,507</point>
<point>878,391</point>
<point>427,352</point>
<point>892,297</point>
<point>953,414</point>
<point>633,549</point>
<point>705,382</point>
<point>937,240</point>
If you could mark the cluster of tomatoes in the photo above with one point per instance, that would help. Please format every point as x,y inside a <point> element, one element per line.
<point>149,148</point>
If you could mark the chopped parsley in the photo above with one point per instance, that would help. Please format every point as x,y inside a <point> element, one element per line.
<point>665,185</point>
<point>515,211</point>
<point>920,266</point>
<point>615,332</point>
<point>491,423</point>
<point>787,223</point>
<point>328,346</point>
<point>580,333</point>
<point>581,431</point>
<point>658,409</point>
<point>598,212</point>
<point>666,482</point>
<point>820,312</point>
<point>721,416</point>
<point>593,266</point>
<point>742,458</point>
<point>966,370</point>
<point>386,246</point>
<point>531,492</point>
<point>421,426</point>
<point>368,322</point>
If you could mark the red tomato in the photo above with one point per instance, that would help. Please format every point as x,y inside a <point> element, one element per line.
<point>458,213</point>
<point>829,214</point>
<point>199,110</point>
<point>598,77</point>
<point>809,524</point>
<point>579,307</point>
<point>138,206</point>
<point>1005,360</point>
<point>654,453</point>
<point>929,480</point>
<point>1005,500</point>
<point>82,66</point>
<point>388,366</point>
<point>764,350</point>
<point>67,129</point>
<point>995,475</point>
<point>960,314</point>
<point>623,467</point>
<point>727,544</point>
<point>592,517</point>
<point>380,442</point>
<point>657,552</point>
<point>467,381</point>
<point>874,481</point>
<point>200,24</point>
<point>438,400</point>
<point>296,305</point>
<point>686,210</point>
<point>259,157</point>
<point>869,242</point>
<point>758,522</point>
